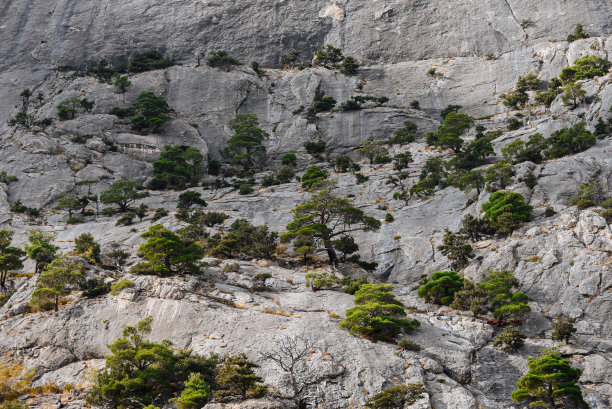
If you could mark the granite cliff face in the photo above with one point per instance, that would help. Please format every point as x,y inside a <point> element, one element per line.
<point>563,262</point>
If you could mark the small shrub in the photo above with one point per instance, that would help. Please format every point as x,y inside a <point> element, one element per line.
<point>510,339</point>
<point>222,59</point>
<point>408,345</point>
<point>389,218</point>
<point>563,328</point>
<point>231,268</point>
<point>94,287</point>
<point>120,285</point>
<point>159,213</point>
<point>549,212</point>
<point>245,189</point>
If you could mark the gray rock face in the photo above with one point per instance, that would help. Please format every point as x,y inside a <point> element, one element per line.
<point>478,50</point>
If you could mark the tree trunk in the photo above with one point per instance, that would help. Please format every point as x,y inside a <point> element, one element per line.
<point>333,258</point>
<point>2,279</point>
<point>56,303</point>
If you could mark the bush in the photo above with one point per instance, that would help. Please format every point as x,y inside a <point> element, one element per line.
<point>514,124</point>
<point>120,285</point>
<point>149,60</point>
<point>150,112</point>
<point>509,339</point>
<point>441,287</point>
<point>315,147</point>
<point>177,168</point>
<point>397,397</point>
<point>167,254</point>
<point>318,281</point>
<point>550,211</point>
<point>159,213</point>
<point>289,159</point>
<point>408,345</point>
<point>285,175</point>
<point>361,178</point>
<point>313,175</point>
<point>322,102</point>
<point>389,218</point>
<point>456,249</point>
<point>154,376</point>
<point>86,247</point>
<point>589,66</point>
<point>245,189</point>
<point>243,238</point>
<point>506,210</point>
<point>405,134</point>
<point>126,220</point>
<point>578,34</point>
<point>377,315</point>
<point>563,328</point>
<point>94,287</point>
<point>222,59</point>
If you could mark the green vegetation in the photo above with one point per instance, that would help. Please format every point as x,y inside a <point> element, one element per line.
<point>456,248</point>
<point>85,246</point>
<point>590,194</point>
<point>246,142</point>
<point>510,339</point>
<point>315,148</point>
<point>73,203</point>
<point>94,287</point>
<point>331,57</point>
<point>563,328</point>
<point>120,285</point>
<point>373,149</point>
<point>150,112</point>
<point>568,141</point>
<point>289,159</point>
<point>441,287</point>
<point>449,133</point>
<point>506,211</point>
<point>397,397</point>
<point>550,382</point>
<point>406,344</point>
<point>505,303</point>
<point>236,378</point>
<point>377,315</point>
<point>356,103</point>
<point>122,193</point>
<point>196,393</point>
<point>177,168</point>
<point>324,219</point>
<point>589,66</point>
<point>10,257</point>
<point>222,59</point>
<point>245,239</point>
<point>405,134</point>
<point>578,34</point>
<point>69,107</point>
<point>56,280</point>
<point>554,88</point>
<point>139,372</point>
<point>190,198</point>
<point>432,175</point>
<point>520,151</point>
<point>167,254</point>
<point>121,85</point>
<point>573,95</point>
<point>321,103</point>
<point>518,98</point>
<point>494,294</point>
<point>148,61</point>
<point>40,248</point>
<point>313,175</point>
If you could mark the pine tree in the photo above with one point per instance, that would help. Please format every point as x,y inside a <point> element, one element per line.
<point>236,378</point>
<point>10,257</point>
<point>55,281</point>
<point>550,383</point>
<point>246,141</point>
<point>40,248</point>
<point>377,314</point>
